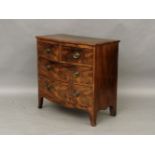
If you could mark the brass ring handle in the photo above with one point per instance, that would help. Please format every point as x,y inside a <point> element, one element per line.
<point>76,94</point>
<point>76,74</point>
<point>48,50</point>
<point>76,55</point>
<point>48,67</point>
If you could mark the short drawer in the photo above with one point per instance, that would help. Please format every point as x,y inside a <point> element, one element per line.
<point>54,89</point>
<point>48,50</point>
<point>77,55</point>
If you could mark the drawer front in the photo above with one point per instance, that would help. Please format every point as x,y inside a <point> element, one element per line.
<point>53,89</point>
<point>76,74</point>
<point>73,96</point>
<point>81,97</point>
<point>48,50</point>
<point>65,72</point>
<point>49,68</point>
<point>77,55</point>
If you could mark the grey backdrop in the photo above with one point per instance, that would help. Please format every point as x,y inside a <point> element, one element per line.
<point>18,74</point>
<point>136,57</point>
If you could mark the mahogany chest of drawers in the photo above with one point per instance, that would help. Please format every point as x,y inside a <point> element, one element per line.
<point>78,72</point>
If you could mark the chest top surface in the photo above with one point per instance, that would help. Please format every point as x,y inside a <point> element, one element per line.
<point>76,39</point>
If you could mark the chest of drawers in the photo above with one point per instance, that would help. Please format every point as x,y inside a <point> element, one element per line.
<point>78,72</point>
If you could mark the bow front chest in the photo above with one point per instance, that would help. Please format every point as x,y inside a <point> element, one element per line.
<point>78,72</point>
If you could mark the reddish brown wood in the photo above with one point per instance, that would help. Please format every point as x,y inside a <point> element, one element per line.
<point>106,76</point>
<point>64,38</point>
<point>65,72</point>
<point>77,55</point>
<point>55,89</point>
<point>49,68</point>
<point>92,116</point>
<point>78,72</point>
<point>81,96</point>
<point>48,50</point>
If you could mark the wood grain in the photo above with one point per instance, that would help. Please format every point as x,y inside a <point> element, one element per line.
<point>49,68</point>
<point>75,74</point>
<point>73,96</point>
<point>53,89</point>
<point>65,38</point>
<point>48,50</point>
<point>106,75</point>
<point>78,72</point>
<point>65,72</point>
<point>85,55</point>
<point>81,97</point>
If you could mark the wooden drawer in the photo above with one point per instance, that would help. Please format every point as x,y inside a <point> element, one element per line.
<point>70,95</point>
<point>77,55</point>
<point>76,74</point>
<point>66,72</point>
<point>48,50</point>
<point>81,96</point>
<point>49,68</point>
<point>54,89</point>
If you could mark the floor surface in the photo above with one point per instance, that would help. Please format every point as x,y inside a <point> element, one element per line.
<point>20,115</point>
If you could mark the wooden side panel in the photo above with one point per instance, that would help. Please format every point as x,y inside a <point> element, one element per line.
<point>106,75</point>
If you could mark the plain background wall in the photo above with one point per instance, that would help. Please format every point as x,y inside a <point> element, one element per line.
<point>18,58</point>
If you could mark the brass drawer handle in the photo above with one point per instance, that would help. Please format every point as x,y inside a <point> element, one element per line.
<point>76,94</point>
<point>48,67</point>
<point>48,50</point>
<point>76,74</point>
<point>76,55</point>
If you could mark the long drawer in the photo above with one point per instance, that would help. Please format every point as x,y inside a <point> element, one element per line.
<point>65,72</point>
<point>68,94</point>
